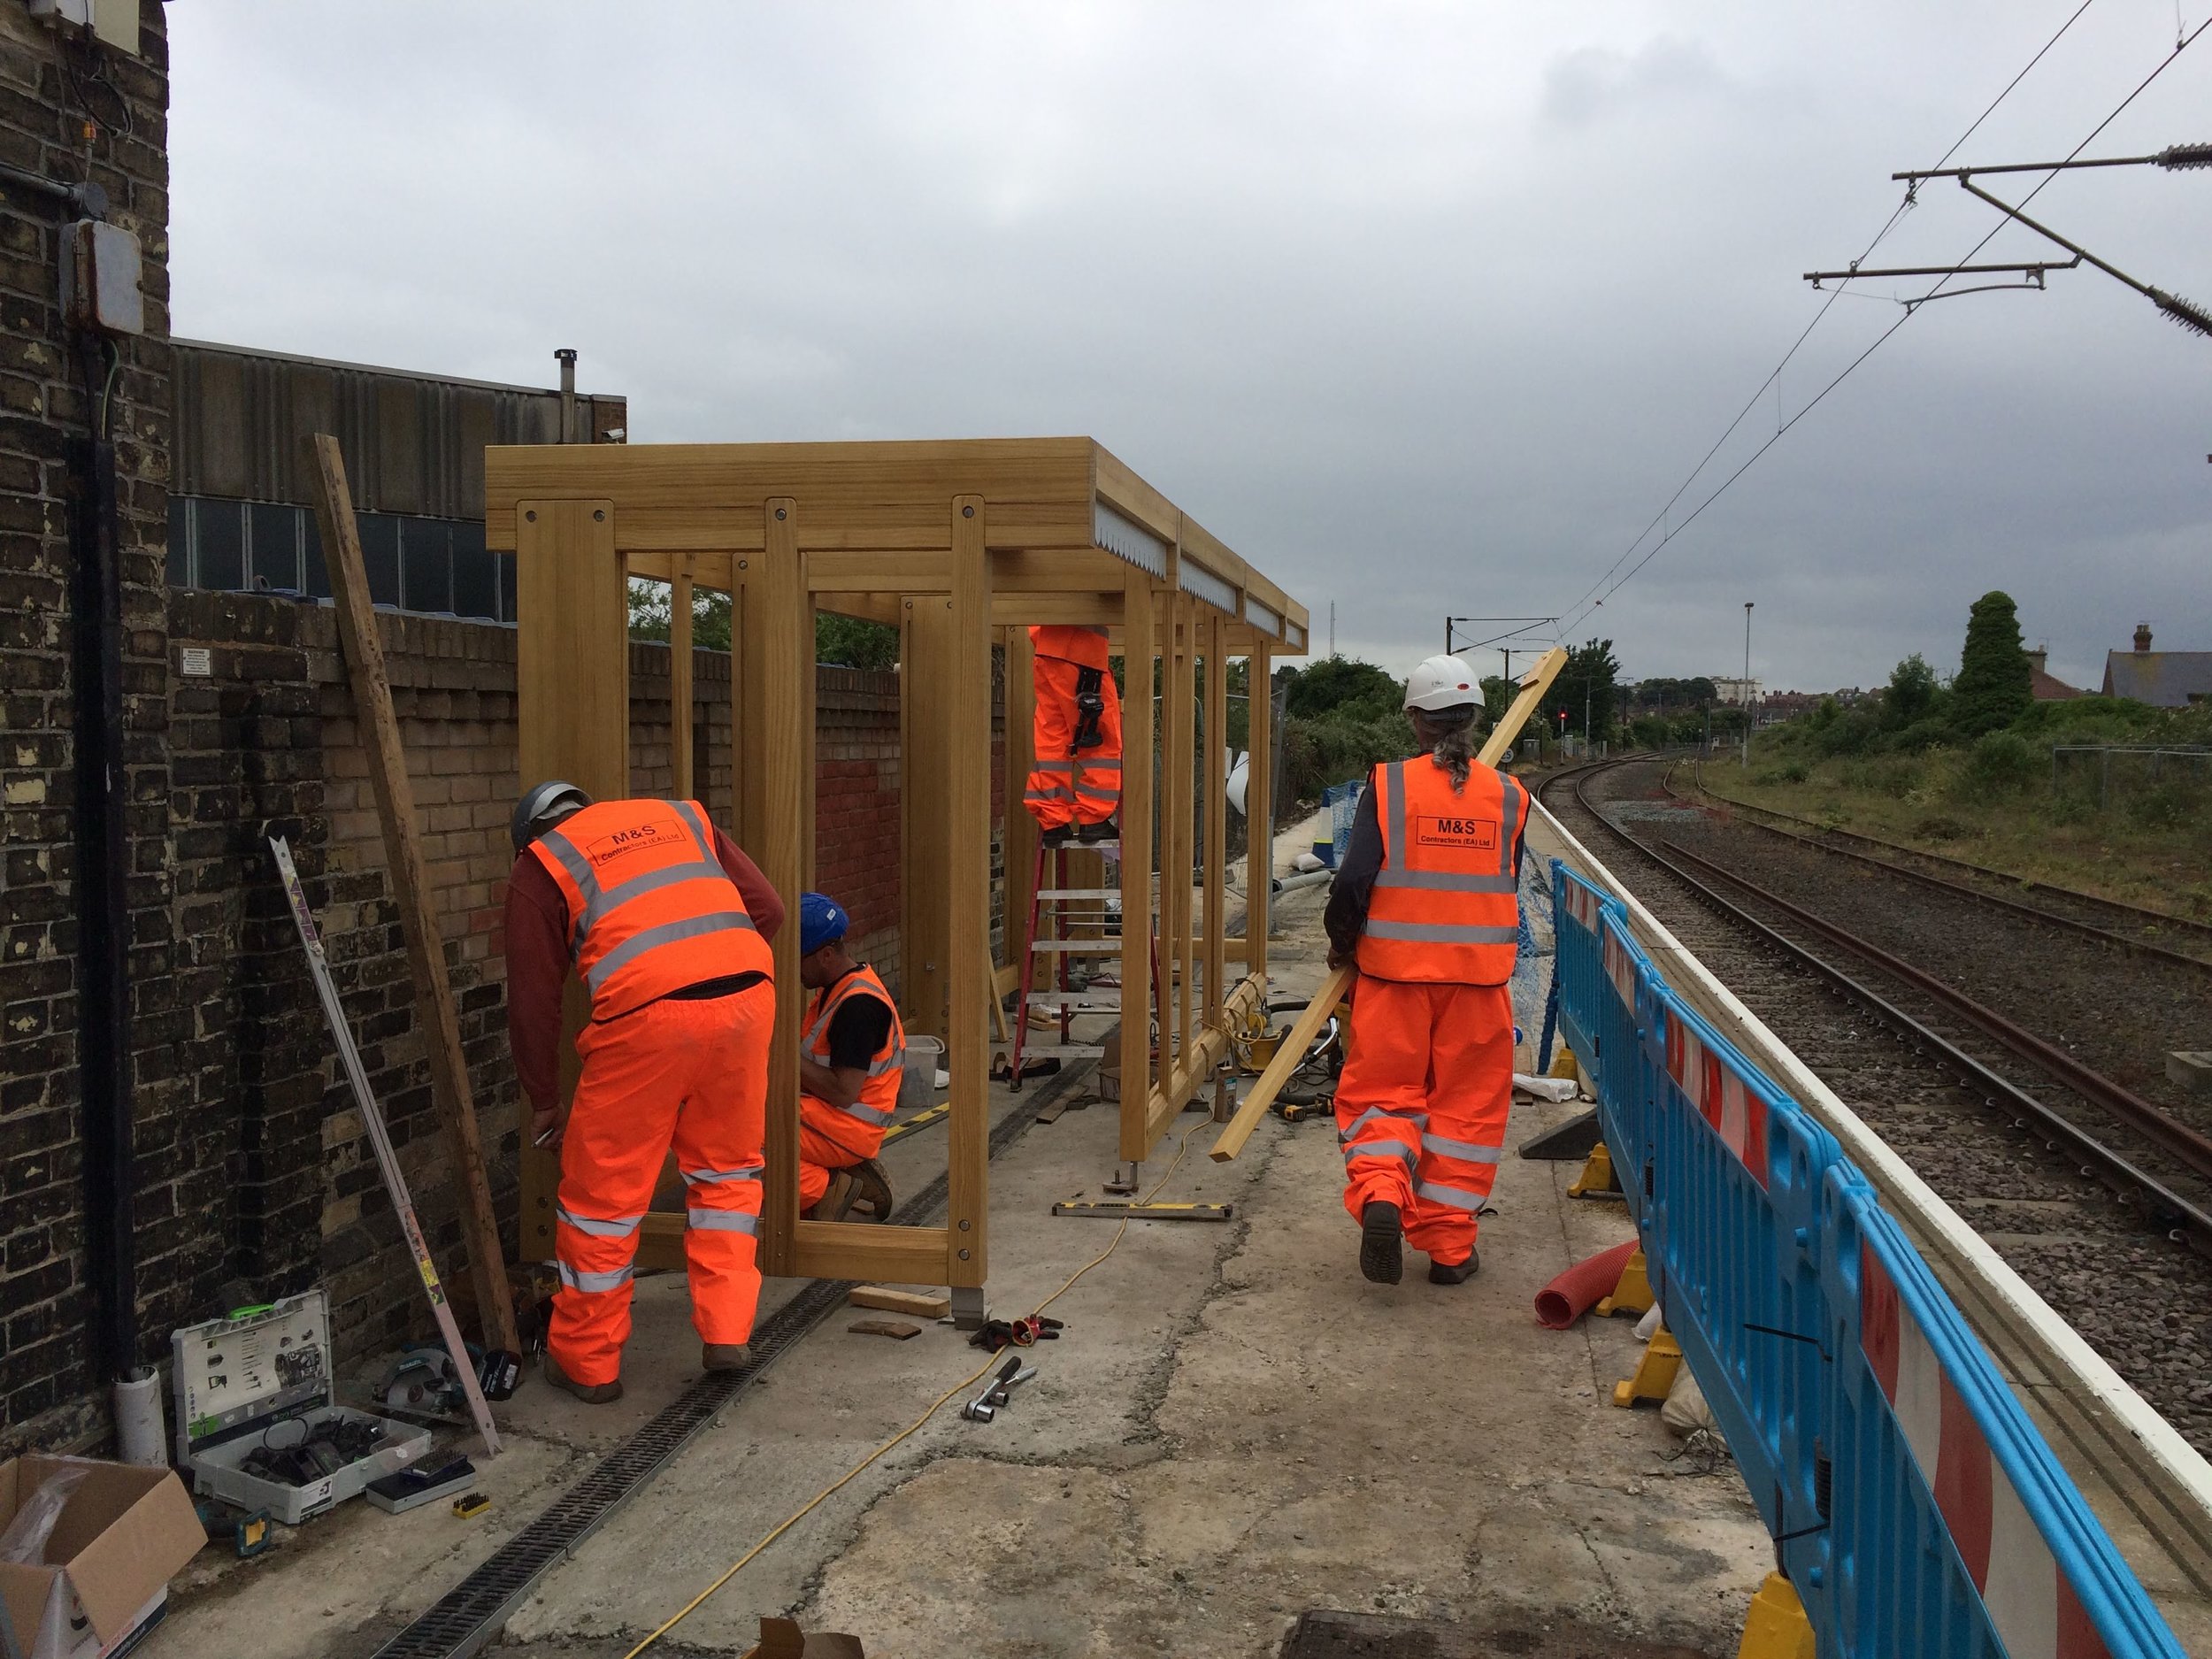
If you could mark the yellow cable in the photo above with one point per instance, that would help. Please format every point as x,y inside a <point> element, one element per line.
<point>935,1406</point>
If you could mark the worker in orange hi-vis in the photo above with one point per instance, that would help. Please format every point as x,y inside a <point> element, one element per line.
<point>1426,903</point>
<point>668,925</point>
<point>1075,780</point>
<point>852,1052</point>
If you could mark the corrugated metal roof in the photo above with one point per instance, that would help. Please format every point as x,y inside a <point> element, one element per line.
<point>2165,679</point>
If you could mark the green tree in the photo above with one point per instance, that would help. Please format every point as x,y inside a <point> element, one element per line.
<point>1993,688</point>
<point>842,642</point>
<point>1912,692</point>
<point>1346,686</point>
<point>1585,690</point>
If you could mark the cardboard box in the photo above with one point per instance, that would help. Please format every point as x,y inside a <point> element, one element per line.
<point>125,1532</point>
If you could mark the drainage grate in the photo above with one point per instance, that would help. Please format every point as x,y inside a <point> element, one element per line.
<point>1324,1634</point>
<point>469,1614</point>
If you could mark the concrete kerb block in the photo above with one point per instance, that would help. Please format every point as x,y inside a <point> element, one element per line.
<point>2192,1070</point>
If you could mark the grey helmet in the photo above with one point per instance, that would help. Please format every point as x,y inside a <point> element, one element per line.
<point>540,805</point>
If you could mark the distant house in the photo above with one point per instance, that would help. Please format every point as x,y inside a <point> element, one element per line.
<point>2165,679</point>
<point>2046,686</point>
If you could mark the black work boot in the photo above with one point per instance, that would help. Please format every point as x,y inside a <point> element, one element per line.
<point>1090,833</point>
<point>1381,1251</point>
<point>590,1393</point>
<point>1455,1272</point>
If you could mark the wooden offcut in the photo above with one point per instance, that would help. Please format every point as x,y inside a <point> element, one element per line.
<point>916,1304</point>
<point>372,688</point>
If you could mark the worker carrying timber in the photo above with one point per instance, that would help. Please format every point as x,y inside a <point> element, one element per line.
<point>852,1052</point>
<point>668,926</point>
<point>1426,903</point>
<point>1075,780</point>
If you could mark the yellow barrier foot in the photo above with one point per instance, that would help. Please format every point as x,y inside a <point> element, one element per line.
<point>1632,1293</point>
<point>1597,1179</point>
<point>1563,1064</point>
<point>1654,1372</point>
<point>1777,1627</point>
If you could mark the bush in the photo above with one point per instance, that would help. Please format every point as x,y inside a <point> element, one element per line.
<point>1922,735</point>
<point>1854,731</point>
<point>2005,761</point>
<point>1993,688</point>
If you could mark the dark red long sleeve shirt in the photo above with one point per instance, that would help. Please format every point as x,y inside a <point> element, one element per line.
<point>538,927</point>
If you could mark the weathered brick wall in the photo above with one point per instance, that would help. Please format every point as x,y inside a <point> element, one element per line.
<point>104,118</point>
<point>856,808</point>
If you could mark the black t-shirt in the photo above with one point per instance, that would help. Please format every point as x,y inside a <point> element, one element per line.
<point>858,1030</point>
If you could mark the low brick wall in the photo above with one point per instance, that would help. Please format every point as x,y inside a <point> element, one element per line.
<point>283,1187</point>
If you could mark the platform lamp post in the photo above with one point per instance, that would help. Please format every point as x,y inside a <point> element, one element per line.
<point>1746,685</point>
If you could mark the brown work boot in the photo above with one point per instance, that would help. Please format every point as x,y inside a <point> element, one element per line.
<point>604,1393</point>
<point>833,1204</point>
<point>724,1357</point>
<point>871,1191</point>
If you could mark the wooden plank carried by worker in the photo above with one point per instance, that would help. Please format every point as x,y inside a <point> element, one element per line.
<point>372,688</point>
<point>1292,1051</point>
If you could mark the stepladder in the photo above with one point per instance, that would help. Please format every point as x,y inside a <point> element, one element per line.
<point>1070,972</point>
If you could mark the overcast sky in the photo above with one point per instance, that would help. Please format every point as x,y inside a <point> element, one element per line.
<point>1425,308</point>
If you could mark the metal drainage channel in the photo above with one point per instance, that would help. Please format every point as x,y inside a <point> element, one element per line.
<point>468,1615</point>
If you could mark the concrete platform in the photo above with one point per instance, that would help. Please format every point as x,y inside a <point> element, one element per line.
<point>1235,1430</point>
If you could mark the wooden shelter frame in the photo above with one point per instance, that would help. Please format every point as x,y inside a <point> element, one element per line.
<point>962,545</point>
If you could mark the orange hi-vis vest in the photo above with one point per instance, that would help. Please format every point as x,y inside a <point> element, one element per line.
<point>650,908</point>
<point>1445,909</point>
<point>1086,647</point>
<point>880,1095</point>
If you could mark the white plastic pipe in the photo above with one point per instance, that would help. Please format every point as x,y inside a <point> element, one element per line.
<point>141,1434</point>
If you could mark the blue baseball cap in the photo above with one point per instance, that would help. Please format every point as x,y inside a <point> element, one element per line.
<point>821,919</point>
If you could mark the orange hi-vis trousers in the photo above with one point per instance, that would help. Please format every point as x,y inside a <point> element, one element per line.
<point>1421,1108</point>
<point>1068,785</point>
<point>826,1138</point>
<point>693,1075</point>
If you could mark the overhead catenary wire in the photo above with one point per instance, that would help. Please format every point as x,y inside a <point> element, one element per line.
<point>906,1434</point>
<point>1583,607</point>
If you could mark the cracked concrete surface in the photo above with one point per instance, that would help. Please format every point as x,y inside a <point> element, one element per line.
<point>1234,1429</point>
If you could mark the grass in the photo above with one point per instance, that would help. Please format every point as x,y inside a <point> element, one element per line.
<point>2152,846</point>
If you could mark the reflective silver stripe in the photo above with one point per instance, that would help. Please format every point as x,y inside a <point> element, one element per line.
<point>707,1178</point>
<point>1046,797</point>
<point>854,985</point>
<point>1466,1149</point>
<point>1052,766</point>
<point>1373,1112</point>
<point>866,1114</point>
<point>1088,764</point>
<point>573,860</point>
<point>1441,933</point>
<point>618,1227</point>
<point>667,933</point>
<point>593,1284</point>
<point>1393,875</point>
<point>1457,1197</point>
<point>722,1221</point>
<point>637,887</point>
<point>687,810</point>
<point>1397,1150</point>
<point>890,1063</point>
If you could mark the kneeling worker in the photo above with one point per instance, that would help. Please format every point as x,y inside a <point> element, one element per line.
<point>1427,905</point>
<point>850,1054</point>
<point>667,924</point>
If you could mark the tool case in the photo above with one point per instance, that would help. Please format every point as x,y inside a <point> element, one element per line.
<point>243,1382</point>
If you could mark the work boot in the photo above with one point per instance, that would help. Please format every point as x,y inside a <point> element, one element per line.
<point>1058,835</point>
<point>1104,832</point>
<point>1381,1254</point>
<point>1455,1272</point>
<point>871,1191</point>
<point>833,1204</point>
<point>603,1394</point>
<point>724,1357</point>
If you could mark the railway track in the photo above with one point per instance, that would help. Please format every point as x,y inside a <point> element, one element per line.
<point>2132,927</point>
<point>2082,1185</point>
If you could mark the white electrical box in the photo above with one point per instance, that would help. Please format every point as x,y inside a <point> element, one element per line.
<point>100,269</point>
<point>260,1381</point>
<point>111,22</point>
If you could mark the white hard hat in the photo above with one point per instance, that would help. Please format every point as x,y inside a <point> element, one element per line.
<point>1443,682</point>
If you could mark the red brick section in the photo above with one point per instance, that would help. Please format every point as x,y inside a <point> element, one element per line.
<point>856,808</point>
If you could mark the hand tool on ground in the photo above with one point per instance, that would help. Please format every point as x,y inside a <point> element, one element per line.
<point>387,1159</point>
<point>983,1408</point>
<point>998,1333</point>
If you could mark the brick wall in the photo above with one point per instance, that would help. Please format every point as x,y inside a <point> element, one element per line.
<point>856,808</point>
<point>102,116</point>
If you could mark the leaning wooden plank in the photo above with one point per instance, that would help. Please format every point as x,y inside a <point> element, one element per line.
<point>914,1304</point>
<point>1292,1049</point>
<point>372,688</point>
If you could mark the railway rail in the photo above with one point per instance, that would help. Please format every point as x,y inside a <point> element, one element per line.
<point>2127,926</point>
<point>2073,1284</point>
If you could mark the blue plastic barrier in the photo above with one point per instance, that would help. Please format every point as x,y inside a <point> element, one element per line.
<point>1914,1505</point>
